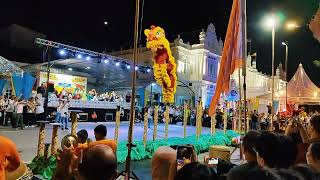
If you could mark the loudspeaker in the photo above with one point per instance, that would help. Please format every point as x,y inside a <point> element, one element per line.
<point>51,87</point>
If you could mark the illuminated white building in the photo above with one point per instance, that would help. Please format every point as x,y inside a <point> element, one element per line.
<point>198,66</point>
<point>258,83</point>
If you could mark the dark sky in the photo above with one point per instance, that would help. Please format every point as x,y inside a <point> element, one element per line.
<point>80,23</point>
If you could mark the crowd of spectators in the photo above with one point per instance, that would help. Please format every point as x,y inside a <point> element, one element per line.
<point>92,95</point>
<point>267,155</point>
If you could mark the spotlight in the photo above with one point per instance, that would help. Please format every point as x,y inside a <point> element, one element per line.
<point>79,56</point>
<point>148,70</point>
<point>152,84</point>
<point>136,68</point>
<point>88,67</point>
<point>62,52</point>
<point>106,61</point>
<point>128,66</point>
<point>70,69</point>
<point>88,58</point>
<point>117,64</point>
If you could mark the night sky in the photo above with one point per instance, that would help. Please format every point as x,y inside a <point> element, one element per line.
<point>81,23</point>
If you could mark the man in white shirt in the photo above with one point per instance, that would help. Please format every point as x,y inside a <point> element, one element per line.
<point>2,108</point>
<point>9,110</point>
<point>171,112</point>
<point>20,106</point>
<point>150,113</point>
<point>39,108</point>
<point>64,115</point>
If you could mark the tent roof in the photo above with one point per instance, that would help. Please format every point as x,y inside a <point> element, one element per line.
<point>7,67</point>
<point>300,89</point>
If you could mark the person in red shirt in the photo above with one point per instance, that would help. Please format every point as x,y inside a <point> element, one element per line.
<point>9,157</point>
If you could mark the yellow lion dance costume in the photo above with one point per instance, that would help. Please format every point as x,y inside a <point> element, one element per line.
<point>164,65</point>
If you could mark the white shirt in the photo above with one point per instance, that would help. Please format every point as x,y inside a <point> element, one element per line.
<point>39,108</point>
<point>150,111</point>
<point>171,111</point>
<point>10,107</point>
<point>177,113</point>
<point>20,108</point>
<point>59,108</point>
<point>64,110</point>
<point>2,102</point>
<point>53,95</point>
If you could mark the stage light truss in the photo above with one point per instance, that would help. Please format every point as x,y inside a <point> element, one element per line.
<point>86,52</point>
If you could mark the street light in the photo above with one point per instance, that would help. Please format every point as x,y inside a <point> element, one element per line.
<point>292,25</point>
<point>270,22</point>
<point>286,73</point>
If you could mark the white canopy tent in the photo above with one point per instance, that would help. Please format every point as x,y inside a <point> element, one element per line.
<point>301,90</point>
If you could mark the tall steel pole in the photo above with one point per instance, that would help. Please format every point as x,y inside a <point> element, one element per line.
<point>133,87</point>
<point>272,74</point>
<point>151,95</point>
<point>244,57</point>
<point>286,75</point>
<point>240,103</point>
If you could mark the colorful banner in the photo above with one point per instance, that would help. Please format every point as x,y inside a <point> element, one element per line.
<point>22,84</point>
<point>70,84</point>
<point>28,82</point>
<point>17,84</point>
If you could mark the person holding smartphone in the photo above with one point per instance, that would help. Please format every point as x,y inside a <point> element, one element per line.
<point>185,155</point>
<point>246,170</point>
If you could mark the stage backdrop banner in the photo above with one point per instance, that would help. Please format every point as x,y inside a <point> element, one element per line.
<point>3,83</point>
<point>62,81</point>
<point>28,82</point>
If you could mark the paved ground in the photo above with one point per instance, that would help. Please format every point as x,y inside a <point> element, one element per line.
<point>26,140</point>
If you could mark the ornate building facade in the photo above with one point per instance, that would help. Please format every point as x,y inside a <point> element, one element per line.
<point>198,67</point>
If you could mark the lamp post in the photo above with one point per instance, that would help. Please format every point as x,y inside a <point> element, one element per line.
<point>286,74</point>
<point>271,22</point>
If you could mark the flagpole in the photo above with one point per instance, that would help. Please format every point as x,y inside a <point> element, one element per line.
<point>239,104</point>
<point>244,57</point>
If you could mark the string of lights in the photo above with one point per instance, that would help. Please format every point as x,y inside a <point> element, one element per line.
<point>70,51</point>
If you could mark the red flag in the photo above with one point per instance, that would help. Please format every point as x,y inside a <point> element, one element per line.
<point>231,55</point>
